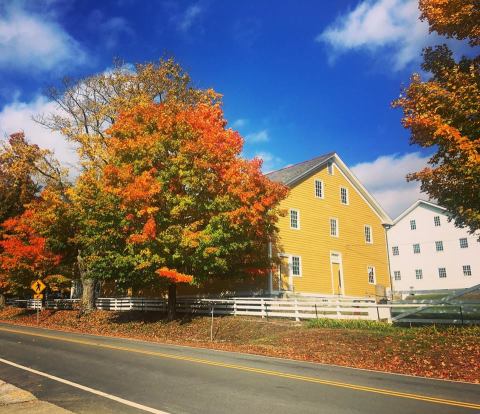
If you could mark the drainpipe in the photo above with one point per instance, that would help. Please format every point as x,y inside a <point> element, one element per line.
<point>386,228</point>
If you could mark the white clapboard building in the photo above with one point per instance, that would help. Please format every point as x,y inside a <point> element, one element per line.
<point>428,253</point>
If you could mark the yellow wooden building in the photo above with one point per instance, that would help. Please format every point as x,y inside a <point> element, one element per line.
<point>332,239</point>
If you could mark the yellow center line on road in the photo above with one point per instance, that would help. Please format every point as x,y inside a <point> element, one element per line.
<point>261,371</point>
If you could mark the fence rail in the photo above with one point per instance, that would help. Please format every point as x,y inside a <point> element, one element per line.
<point>296,308</point>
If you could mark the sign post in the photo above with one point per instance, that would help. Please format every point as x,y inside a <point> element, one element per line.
<point>38,287</point>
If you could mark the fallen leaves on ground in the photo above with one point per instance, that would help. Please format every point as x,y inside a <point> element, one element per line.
<point>447,353</point>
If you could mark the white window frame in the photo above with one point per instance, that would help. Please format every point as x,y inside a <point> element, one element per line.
<point>290,218</point>
<point>397,273</point>
<point>322,188</point>
<point>437,244</point>
<point>442,271</point>
<point>330,168</point>
<point>395,251</point>
<point>418,272</point>
<point>413,224</point>
<point>467,270</point>
<point>463,245</point>
<point>436,221</point>
<point>419,249</point>
<point>347,198</point>
<point>336,227</point>
<point>370,232</point>
<point>299,265</point>
<point>374,275</point>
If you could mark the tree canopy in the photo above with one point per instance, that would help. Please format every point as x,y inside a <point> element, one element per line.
<point>442,113</point>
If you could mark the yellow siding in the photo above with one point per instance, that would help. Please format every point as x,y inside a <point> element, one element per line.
<point>313,243</point>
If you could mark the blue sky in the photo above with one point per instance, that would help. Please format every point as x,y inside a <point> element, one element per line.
<point>299,78</point>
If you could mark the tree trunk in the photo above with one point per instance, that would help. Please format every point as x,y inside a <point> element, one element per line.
<point>2,300</point>
<point>172,301</point>
<point>88,287</point>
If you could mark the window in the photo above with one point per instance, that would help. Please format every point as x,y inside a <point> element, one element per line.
<point>330,167</point>
<point>467,270</point>
<point>413,225</point>
<point>395,251</point>
<point>344,195</point>
<point>396,275</point>
<point>294,219</point>
<point>416,248</point>
<point>442,272</point>
<point>439,246</point>
<point>334,227</point>
<point>296,271</point>
<point>319,188</point>
<point>368,234</point>
<point>371,275</point>
<point>418,274</point>
<point>436,221</point>
<point>463,243</point>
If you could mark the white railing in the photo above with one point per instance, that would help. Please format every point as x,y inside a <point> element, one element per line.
<point>264,307</point>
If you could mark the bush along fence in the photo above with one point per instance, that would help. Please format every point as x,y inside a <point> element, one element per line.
<point>294,308</point>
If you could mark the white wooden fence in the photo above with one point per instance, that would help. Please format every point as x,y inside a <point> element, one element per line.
<point>332,308</point>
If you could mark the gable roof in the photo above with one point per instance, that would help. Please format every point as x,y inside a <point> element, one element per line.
<point>294,174</point>
<point>415,205</point>
<point>291,173</point>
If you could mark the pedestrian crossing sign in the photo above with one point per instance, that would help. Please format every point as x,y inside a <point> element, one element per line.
<point>38,286</point>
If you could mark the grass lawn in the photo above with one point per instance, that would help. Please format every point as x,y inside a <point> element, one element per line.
<point>438,352</point>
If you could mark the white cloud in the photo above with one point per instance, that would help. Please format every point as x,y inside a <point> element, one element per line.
<point>35,42</point>
<point>17,116</point>
<point>385,179</point>
<point>259,136</point>
<point>239,123</point>
<point>270,162</point>
<point>112,30</point>
<point>388,25</point>
<point>184,21</point>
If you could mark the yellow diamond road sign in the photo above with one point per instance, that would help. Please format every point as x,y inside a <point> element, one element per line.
<point>38,286</point>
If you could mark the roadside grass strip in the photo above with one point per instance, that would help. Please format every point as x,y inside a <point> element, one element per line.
<point>387,392</point>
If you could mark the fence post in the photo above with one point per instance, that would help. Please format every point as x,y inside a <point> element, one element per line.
<point>296,310</point>
<point>262,307</point>
<point>211,325</point>
<point>234,306</point>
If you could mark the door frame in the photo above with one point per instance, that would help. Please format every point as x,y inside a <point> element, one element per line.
<point>336,257</point>
<point>290,276</point>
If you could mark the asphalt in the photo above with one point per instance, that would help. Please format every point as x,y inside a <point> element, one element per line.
<point>177,379</point>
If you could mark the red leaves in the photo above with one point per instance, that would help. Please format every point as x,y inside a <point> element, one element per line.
<point>174,276</point>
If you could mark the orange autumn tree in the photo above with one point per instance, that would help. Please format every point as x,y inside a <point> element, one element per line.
<point>24,254</point>
<point>442,112</point>
<point>192,208</point>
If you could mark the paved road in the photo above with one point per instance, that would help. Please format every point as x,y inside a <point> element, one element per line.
<point>127,376</point>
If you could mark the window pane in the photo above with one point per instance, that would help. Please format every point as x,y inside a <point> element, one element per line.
<point>333,227</point>
<point>463,243</point>
<point>413,225</point>
<point>467,270</point>
<point>436,221</point>
<point>397,275</point>
<point>296,265</point>
<point>318,189</point>
<point>368,234</point>
<point>439,246</point>
<point>442,272</point>
<point>395,251</point>
<point>371,274</point>
<point>416,248</point>
<point>418,274</point>
<point>344,195</point>
<point>294,219</point>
